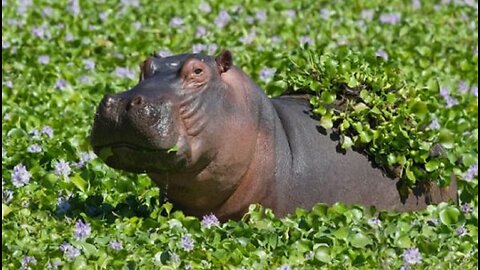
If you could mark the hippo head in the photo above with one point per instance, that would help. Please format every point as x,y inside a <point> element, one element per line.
<point>174,119</point>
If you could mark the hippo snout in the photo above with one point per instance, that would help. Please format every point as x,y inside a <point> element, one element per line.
<point>136,121</point>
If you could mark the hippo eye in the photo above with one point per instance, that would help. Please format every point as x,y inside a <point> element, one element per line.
<point>198,71</point>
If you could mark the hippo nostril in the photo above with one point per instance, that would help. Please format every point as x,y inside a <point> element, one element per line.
<point>136,101</point>
<point>109,101</point>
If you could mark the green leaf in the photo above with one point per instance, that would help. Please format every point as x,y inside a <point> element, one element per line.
<point>403,241</point>
<point>341,233</point>
<point>328,97</point>
<point>347,142</point>
<point>419,108</point>
<point>360,240</point>
<point>449,215</point>
<point>360,107</point>
<point>432,165</point>
<point>105,153</point>
<point>446,138</point>
<point>173,149</point>
<point>323,254</point>
<point>326,121</point>
<point>6,210</point>
<point>78,181</point>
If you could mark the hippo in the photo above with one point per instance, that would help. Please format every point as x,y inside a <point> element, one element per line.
<point>213,142</point>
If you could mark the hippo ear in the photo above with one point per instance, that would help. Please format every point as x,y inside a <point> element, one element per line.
<point>147,69</point>
<point>224,61</point>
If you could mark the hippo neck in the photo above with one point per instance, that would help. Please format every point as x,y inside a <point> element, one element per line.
<point>256,185</point>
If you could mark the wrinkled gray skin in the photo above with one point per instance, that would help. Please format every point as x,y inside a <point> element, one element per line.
<point>233,145</point>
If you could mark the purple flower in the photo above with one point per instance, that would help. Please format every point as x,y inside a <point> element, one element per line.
<point>463,86</point>
<point>212,48</point>
<point>47,130</point>
<point>85,80</point>
<point>47,12</point>
<point>35,133</point>
<point>284,267</point>
<point>61,84</point>
<point>466,208</point>
<point>471,172</point>
<point>8,84</point>
<point>53,265</point>
<point>210,220</point>
<point>249,20</point>
<point>306,40</point>
<point>474,90</point>
<point>69,37</point>
<point>309,255</point>
<point>222,19</point>
<point>433,221</point>
<point>23,5</point>
<point>451,101</point>
<point>186,243</point>
<point>367,14</point>
<point>131,3</point>
<point>5,44</point>
<point>69,251</point>
<point>62,169</point>
<point>382,54</point>
<point>44,59</point>
<point>276,39</point>
<point>444,91</point>
<point>63,204</point>
<point>434,124</point>
<point>124,73</point>
<point>82,230</point>
<point>14,22</point>
<point>116,245</point>
<point>174,258</point>
<point>84,158</point>
<point>412,256</point>
<point>175,22</point>
<point>20,175</point>
<point>375,221</point>
<point>89,64</point>
<point>7,195</point>
<point>461,231</point>
<point>261,15</point>
<point>475,52</point>
<point>28,260</point>
<point>416,4</point>
<point>198,48</point>
<point>266,74</point>
<point>291,13</point>
<point>103,16</point>
<point>201,31</point>
<point>204,7</point>
<point>390,18</point>
<point>34,148</point>
<point>74,7</point>
<point>137,25</point>
<point>248,39</point>
<point>164,53</point>
<point>325,13</point>
<point>404,267</point>
<point>41,31</point>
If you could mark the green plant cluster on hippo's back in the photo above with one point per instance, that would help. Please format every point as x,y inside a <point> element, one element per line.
<point>398,81</point>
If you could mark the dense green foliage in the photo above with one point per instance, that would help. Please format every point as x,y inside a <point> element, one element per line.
<point>399,81</point>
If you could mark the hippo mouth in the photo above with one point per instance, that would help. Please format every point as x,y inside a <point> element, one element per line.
<point>139,159</point>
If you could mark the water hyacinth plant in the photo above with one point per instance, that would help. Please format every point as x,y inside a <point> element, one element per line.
<point>397,80</point>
